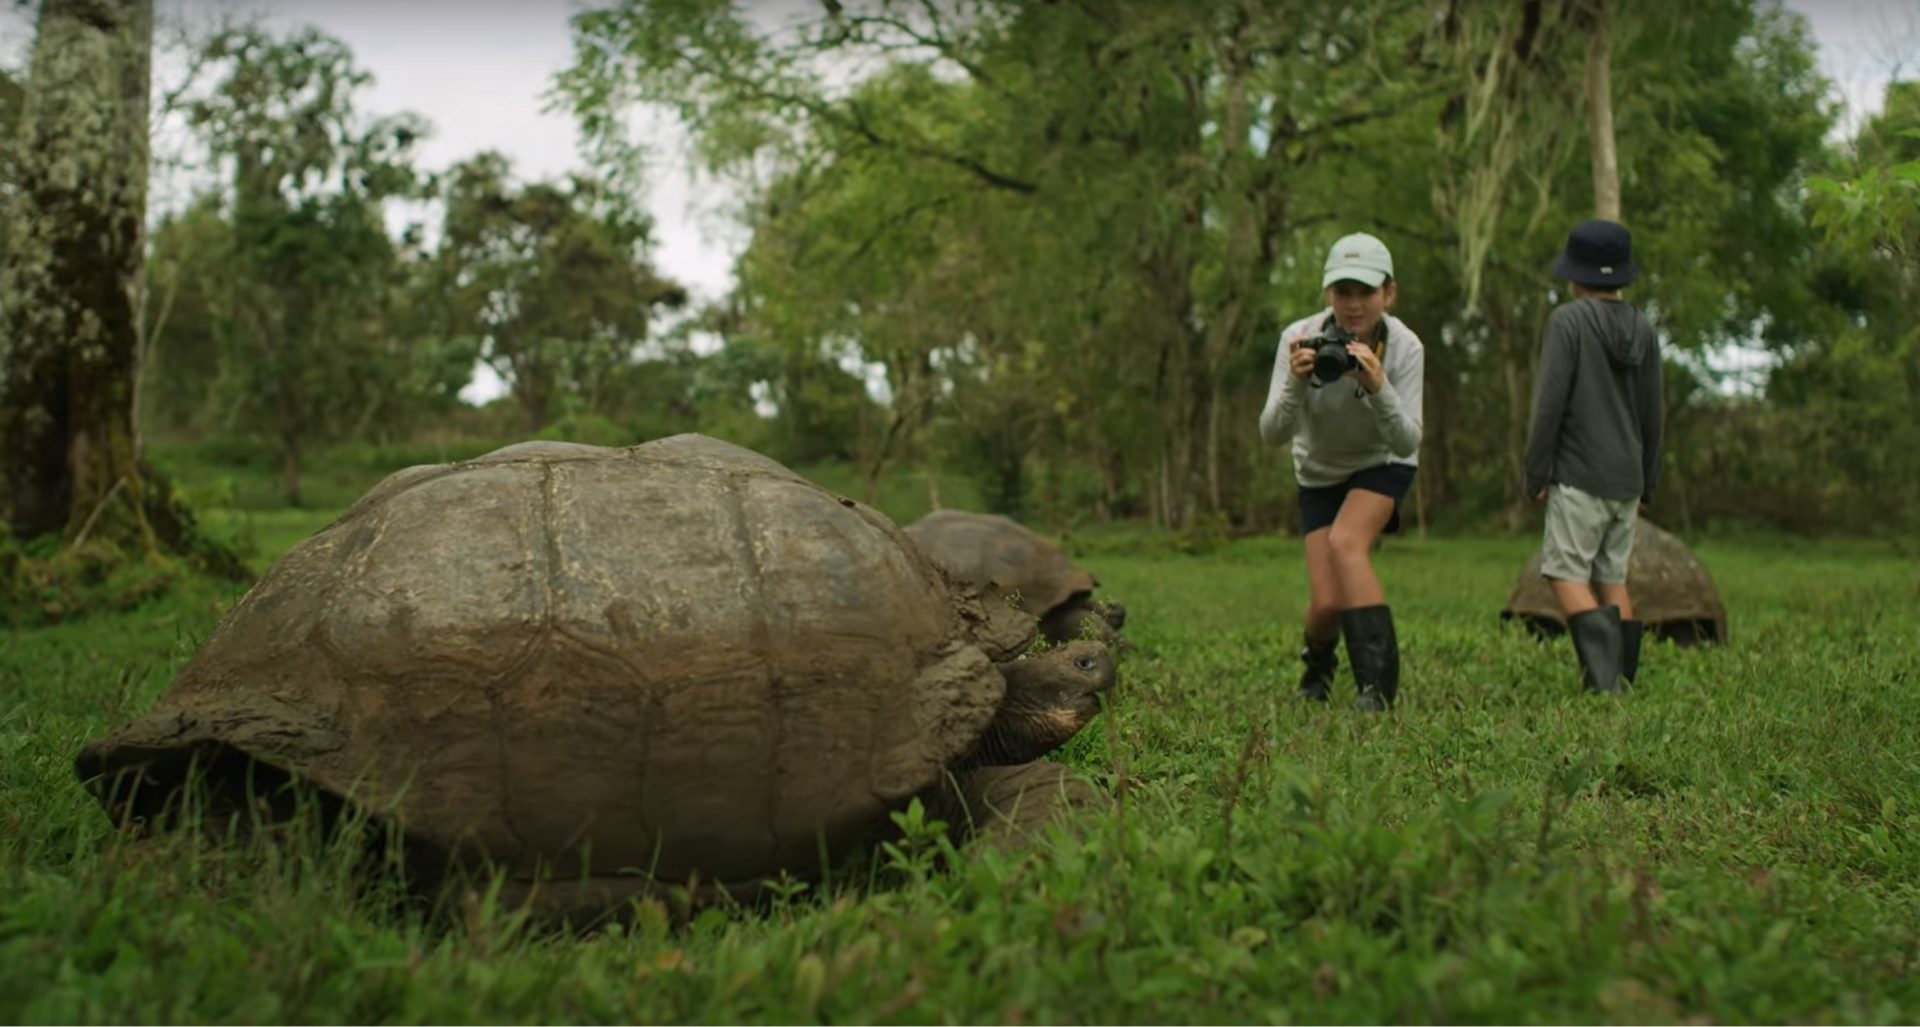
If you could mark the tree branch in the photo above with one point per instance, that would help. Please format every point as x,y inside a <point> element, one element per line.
<point>938,43</point>
<point>889,225</point>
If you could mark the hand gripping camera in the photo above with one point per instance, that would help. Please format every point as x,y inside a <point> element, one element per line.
<point>1330,356</point>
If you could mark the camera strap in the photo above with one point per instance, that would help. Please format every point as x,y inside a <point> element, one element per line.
<point>1379,341</point>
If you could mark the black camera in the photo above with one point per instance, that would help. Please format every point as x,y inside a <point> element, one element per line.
<point>1330,356</point>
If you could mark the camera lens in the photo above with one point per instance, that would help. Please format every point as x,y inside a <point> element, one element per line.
<point>1330,361</point>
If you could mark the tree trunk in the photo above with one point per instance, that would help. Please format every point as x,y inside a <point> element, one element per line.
<point>1519,408</point>
<point>1243,270</point>
<point>533,405</point>
<point>1606,168</point>
<point>1517,369</point>
<point>72,275</point>
<point>290,468</point>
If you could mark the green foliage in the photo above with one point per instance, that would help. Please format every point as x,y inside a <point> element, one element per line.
<point>278,290</point>
<point>1734,842</point>
<point>1870,205</point>
<point>1067,236</point>
<point>551,279</point>
<point>1713,193</point>
<point>43,582</point>
<point>242,474</point>
<point>1845,397</point>
<point>587,429</point>
<point>1028,217</point>
<point>1060,238</point>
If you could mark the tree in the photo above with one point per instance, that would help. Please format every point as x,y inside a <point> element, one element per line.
<point>1157,147</point>
<point>1067,231</point>
<point>307,274</point>
<point>1859,380</point>
<point>71,279</point>
<point>1718,110</point>
<point>552,279</point>
<point>190,264</point>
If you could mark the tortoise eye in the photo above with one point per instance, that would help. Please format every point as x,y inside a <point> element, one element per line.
<point>1086,663</point>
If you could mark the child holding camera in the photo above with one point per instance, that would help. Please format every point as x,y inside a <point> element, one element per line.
<point>1346,390</point>
<point>1593,454</point>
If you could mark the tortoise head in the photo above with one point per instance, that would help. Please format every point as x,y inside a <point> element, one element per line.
<point>1050,697</point>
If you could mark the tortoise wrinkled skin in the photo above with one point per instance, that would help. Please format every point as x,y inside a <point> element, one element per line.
<point>1673,595</point>
<point>998,555</point>
<point>1050,697</point>
<point>669,661</point>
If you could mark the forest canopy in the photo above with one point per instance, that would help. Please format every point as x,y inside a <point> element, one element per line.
<point>1043,248</point>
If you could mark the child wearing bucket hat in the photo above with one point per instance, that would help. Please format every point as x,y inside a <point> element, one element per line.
<point>1593,452</point>
<point>1346,391</point>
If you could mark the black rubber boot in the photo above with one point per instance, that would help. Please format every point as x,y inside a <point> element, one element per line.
<point>1322,659</point>
<point>1630,631</point>
<point>1596,640</point>
<point>1374,653</point>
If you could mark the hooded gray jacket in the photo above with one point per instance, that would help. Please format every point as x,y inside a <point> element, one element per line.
<point>1597,408</point>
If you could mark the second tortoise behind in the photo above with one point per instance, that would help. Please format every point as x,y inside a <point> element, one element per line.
<point>997,554</point>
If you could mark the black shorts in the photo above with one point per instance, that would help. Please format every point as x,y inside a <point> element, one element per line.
<point>1320,504</point>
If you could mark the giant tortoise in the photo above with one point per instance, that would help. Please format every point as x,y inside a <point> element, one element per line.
<point>601,669</point>
<point>997,554</point>
<point>1672,593</point>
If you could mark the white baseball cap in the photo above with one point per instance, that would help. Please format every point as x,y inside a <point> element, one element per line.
<point>1358,257</point>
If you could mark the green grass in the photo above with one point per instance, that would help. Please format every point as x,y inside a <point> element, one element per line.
<point>1737,841</point>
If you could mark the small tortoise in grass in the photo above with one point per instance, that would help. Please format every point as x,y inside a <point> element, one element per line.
<point>667,662</point>
<point>997,555</point>
<point>1672,593</point>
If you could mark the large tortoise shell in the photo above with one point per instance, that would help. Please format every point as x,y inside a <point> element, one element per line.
<point>678,657</point>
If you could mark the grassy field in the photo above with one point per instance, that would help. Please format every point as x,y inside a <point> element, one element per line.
<point>1737,841</point>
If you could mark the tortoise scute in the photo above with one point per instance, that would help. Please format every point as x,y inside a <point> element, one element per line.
<point>450,573</point>
<point>398,481</point>
<point>713,454</point>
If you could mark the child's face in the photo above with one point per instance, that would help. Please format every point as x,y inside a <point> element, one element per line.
<point>1359,307</point>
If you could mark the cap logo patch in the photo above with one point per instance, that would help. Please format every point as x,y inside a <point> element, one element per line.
<point>1606,270</point>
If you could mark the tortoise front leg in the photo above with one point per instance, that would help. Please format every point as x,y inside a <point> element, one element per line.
<point>1006,806</point>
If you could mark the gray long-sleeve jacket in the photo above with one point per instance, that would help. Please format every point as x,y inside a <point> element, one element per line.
<point>1341,428</point>
<point>1597,407</point>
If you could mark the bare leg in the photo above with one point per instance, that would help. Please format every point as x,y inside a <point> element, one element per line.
<point>1350,542</point>
<point>1615,595</point>
<point>1323,589</point>
<point>1575,596</point>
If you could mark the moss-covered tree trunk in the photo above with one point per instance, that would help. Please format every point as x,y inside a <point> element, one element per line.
<point>71,277</point>
<point>70,290</point>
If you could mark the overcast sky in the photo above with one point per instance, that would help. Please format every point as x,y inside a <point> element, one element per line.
<point>478,69</point>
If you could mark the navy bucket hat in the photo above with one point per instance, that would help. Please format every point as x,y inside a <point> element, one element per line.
<point>1598,253</point>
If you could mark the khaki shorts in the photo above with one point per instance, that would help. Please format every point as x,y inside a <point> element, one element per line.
<point>1587,538</point>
